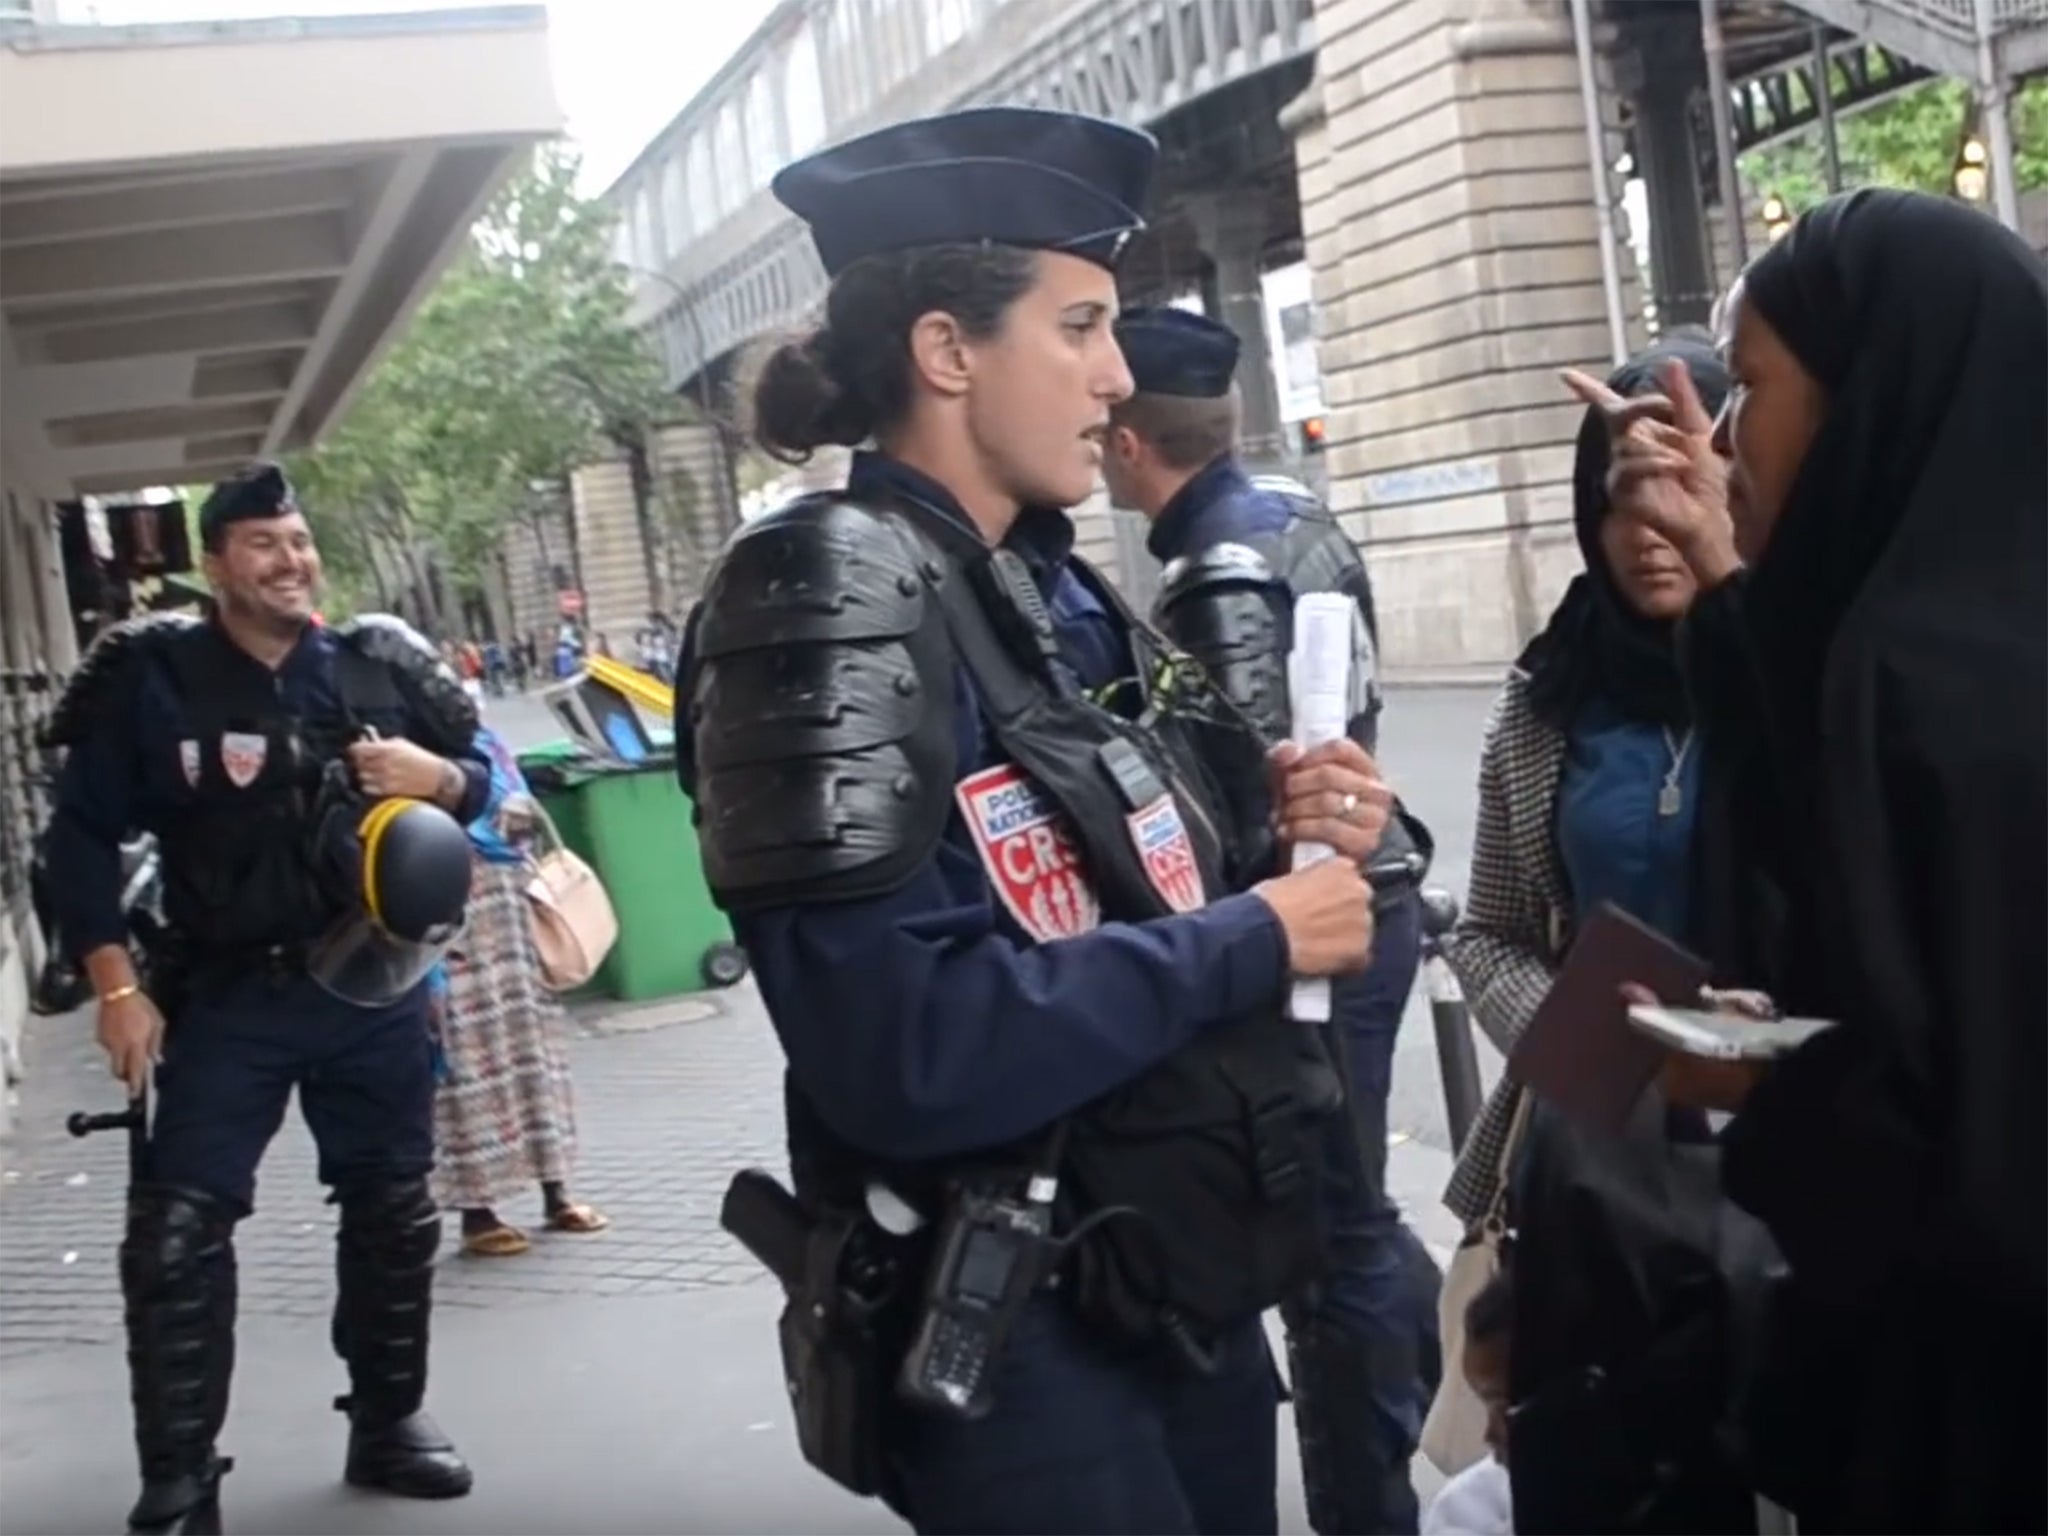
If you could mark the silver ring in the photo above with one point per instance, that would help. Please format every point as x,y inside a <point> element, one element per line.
<point>1348,808</point>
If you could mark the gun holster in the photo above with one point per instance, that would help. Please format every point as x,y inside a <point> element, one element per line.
<point>837,1353</point>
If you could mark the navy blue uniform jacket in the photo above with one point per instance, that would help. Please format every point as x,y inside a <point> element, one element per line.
<point>124,778</point>
<point>925,1023</point>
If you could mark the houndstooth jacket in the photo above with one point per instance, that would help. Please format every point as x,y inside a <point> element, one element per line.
<point>1516,925</point>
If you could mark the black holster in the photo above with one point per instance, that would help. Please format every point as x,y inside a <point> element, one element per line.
<point>840,1333</point>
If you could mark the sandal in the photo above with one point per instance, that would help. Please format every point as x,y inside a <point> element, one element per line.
<point>576,1217</point>
<point>499,1242</point>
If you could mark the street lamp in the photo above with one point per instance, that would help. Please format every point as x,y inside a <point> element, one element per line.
<point>1973,171</point>
<point>1777,217</point>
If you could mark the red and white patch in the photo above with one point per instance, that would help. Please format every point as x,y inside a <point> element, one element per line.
<point>1030,854</point>
<point>188,762</point>
<point>241,757</point>
<point>1161,838</point>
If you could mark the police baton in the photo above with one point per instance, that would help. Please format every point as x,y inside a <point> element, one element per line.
<point>134,1120</point>
<point>1457,1059</point>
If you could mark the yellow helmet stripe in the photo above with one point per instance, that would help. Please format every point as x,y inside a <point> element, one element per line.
<point>371,829</point>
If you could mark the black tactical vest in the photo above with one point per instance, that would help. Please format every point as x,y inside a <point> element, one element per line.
<point>238,867</point>
<point>1204,1154</point>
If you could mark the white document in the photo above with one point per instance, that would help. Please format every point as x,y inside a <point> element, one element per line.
<point>1319,692</point>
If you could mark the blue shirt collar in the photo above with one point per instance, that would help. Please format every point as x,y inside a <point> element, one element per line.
<point>1175,529</point>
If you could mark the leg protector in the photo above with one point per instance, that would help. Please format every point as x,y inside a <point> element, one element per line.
<point>1354,1450</point>
<point>384,1262</point>
<point>178,1288</point>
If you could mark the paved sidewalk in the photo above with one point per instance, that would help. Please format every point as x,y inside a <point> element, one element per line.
<point>623,1382</point>
<point>670,1099</point>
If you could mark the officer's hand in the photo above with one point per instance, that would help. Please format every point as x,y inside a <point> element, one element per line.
<point>132,1034</point>
<point>1326,913</point>
<point>1331,794</point>
<point>385,768</point>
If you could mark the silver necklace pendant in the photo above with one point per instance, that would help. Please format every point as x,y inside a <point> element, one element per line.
<point>1671,798</point>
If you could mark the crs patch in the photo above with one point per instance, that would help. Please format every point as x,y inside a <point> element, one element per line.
<point>1161,838</point>
<point>1030,853</point>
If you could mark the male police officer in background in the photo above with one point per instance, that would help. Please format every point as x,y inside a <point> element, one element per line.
<point>1364,1348</point>
<point>217,736</point>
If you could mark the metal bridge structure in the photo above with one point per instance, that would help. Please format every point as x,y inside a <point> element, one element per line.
<point>1431,163</point>
<point>822,70</point>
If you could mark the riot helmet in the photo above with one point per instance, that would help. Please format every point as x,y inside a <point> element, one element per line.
<point>400,869</point>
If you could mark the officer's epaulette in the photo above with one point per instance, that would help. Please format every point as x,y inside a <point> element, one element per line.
<point>97,685</point>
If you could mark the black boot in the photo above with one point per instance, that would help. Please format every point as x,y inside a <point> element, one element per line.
<point>178,1282</point>
<point>385,1270</point>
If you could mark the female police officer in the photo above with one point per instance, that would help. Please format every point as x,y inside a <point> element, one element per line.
<point>992,922</point>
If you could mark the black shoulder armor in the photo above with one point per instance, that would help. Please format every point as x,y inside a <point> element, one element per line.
<point>100,684</point>
<point>450,715</point>
<point>1227,607</point>
<point>821,708</point>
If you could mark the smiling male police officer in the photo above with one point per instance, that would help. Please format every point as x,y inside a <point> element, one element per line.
<point>1238,552</point>
<point>226,738</point>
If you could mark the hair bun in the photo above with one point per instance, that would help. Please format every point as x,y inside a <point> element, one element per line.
<point>801,403</point>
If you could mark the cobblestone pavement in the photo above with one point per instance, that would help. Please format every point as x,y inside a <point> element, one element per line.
<point>671,1098</point>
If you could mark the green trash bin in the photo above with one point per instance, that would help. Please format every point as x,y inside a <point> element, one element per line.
<point>633,826</point>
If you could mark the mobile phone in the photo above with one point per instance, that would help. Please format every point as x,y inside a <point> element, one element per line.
<point>1724,1036</point>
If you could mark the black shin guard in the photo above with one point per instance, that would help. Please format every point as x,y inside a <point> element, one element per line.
<point>178,1286</point>
<point>383,1308</point>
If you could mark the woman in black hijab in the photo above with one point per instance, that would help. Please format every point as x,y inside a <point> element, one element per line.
<point>1588,793</point>
<point>1592,729</point>
<point>1870,659</point>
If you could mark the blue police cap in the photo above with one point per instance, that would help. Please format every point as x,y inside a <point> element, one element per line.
<point>1177,352</point>
<point>1008,175</point>
<point>259,490</point>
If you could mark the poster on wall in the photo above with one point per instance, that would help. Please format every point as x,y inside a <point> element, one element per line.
<point>85,572</point>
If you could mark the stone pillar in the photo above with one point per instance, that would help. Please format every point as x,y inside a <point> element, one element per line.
<point>1452,236</point>
<point>60,635</point>
<point>615,595</point>
<point>700,498</point>
<point>1232,230</point>
<point>1662,73</point>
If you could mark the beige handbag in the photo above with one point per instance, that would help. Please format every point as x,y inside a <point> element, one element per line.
<point>574,926</point>
<point>1454,1434</point>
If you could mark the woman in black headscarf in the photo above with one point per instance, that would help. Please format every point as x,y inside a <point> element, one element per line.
<point>1589,793</point>
<point>1869,520</point>
<point>1588,775</point>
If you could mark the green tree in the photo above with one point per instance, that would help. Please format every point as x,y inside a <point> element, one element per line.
<point>519,366</point>
<point>1907,140</point>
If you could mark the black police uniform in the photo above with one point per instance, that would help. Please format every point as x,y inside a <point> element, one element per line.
<point>980,907</point>
<point>174,729</point>
<point>1363,1344</point>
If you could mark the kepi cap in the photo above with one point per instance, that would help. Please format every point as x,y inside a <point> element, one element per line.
<point>260,490</point>
<point>1177,352</point>
<point>1007,175</point>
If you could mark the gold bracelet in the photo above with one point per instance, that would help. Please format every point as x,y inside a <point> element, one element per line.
<point>120,994</point>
